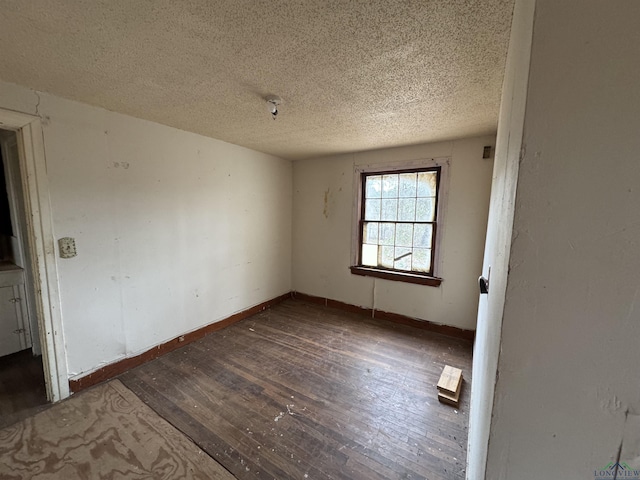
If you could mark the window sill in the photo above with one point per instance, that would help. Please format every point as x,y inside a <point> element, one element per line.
<point>397,276</point>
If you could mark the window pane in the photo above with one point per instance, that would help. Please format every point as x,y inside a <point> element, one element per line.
<point>424,210</point>
<point>370,234</point>
<point>387,233</point>
<point>407,187</point>
<point>390,186</point>
<point>399,224</point>
<point>422,235</point>
<point>386,257</point>
<point>427,184</point>
<point>404,234</point>
<point>402,260</point>
<point>373,189</point>
<point>370,255</point>
<point>406,209</point>
<point>372,210</point>
<point>421,261</point>
<point>389,209</point>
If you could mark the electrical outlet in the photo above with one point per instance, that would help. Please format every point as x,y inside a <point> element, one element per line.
<point>67,247</point>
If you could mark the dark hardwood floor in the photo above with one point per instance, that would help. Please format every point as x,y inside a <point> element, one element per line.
<point>304,391</point>
<point>22,389</point>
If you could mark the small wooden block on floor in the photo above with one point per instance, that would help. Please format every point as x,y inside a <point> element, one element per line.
<point>449,385</point>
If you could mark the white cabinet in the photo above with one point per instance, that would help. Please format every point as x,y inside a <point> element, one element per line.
<point>15,333</point>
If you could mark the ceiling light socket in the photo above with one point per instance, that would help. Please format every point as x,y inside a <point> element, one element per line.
<point>272,104</point>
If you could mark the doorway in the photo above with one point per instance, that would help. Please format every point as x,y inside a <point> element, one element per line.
<point>22,385</point>
<point>38,318</point>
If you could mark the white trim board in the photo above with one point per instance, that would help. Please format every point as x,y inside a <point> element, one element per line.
<point>41,243</point>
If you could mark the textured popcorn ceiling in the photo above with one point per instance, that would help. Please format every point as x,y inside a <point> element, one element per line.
<point>354,75</point>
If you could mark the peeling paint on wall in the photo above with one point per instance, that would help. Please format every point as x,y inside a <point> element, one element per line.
<point>325,212</point>
<point>324,245</point>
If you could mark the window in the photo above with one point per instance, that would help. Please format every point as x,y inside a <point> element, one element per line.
<point>398,224</point>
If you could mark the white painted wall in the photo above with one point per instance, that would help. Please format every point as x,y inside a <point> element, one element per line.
<point>498,241</point>
<point>568,391</point>
<point>173,230</point>
<point>322,233</point>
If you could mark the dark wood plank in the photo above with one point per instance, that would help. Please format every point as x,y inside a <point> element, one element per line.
<point>305,391</point>
<point>22,388</point>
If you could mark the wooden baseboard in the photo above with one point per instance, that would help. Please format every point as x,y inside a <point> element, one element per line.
<point>393,317</point>
<point>114,369</point>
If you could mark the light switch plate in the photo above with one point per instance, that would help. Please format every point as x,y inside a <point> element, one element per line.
<point>67,247</point>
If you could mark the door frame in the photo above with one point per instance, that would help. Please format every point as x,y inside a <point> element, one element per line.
<point>21,254</point>
<point>509,148</point>
<point>41,243</point>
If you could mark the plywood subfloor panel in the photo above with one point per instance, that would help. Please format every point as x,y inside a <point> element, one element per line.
<point>105,432</point>
<point>22,389</point>
<point>303,391</point>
